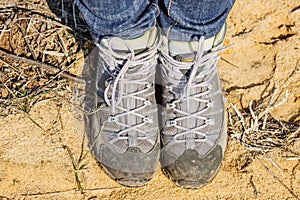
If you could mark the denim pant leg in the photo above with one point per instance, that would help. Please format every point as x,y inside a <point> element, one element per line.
<point>188,20</point>
<point>127,19</point>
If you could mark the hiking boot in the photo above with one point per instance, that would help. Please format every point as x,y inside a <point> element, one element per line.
<point>123,128</point>
<point>194,127</point>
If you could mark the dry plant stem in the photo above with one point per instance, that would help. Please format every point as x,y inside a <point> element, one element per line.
<point>230,63</point>
<point>79,165</point>
<point>47,193</point>
<point>68,191</point>
<point>27,42</point>
<point>45,20</point>
<point>6,23</point>
<point>239,115</point>
<point>274,164</point>
<point>42,65</point>
<point>63,46</point>
<point>257,131</point>
<point>12,67</point>
<point>37,92</point>
<point>253,129</point>
<point>256,192</point>
<point>25,111</point>
<point>76,169</point>
<point>266,112</point>
<point>295,134</point>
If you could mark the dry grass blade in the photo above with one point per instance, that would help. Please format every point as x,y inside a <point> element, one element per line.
<point>27,42</point>
<point>256,192</point>
<point>278,179</point>
<point>23,108</point>
<point>66,192</point>
<point>53,53</point>
<point>61,40</point>
<point>78,165</point>
<point>75,168</point>
<point>5,25</point>
<point>45,20</point>
<point>256,130</point>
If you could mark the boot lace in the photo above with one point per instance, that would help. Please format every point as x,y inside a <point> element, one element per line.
<point>199,75</point>
<point>118,65</point>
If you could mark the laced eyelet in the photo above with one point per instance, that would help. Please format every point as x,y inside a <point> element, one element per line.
<point>170,105</point>
<point>210,121</point>
<point>147,102</point>
<point>111,118</point>
<point>171,123</point>
<point>147,120</point>
<point>149,85</point>
<point>210,104</point>
<point>108,81</point>
<point>169,88</point>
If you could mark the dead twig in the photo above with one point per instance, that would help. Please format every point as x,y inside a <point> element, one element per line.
<point>42,65</point>
<point>256,192</point>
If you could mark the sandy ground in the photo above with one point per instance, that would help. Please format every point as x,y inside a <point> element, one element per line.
<point>35,164</point>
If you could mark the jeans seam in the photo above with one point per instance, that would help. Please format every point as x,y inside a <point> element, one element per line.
<point>169,8</point>
<point>170,27</point>
<point>158,9</point>
<point>158,13</point>
<point>169,15</point>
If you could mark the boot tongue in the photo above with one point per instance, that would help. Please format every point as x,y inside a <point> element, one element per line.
<point>186,51</point>
<point>138,44</point>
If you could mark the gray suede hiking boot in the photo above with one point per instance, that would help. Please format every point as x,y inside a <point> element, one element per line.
<point>194,130</point>
<point>123,129</point>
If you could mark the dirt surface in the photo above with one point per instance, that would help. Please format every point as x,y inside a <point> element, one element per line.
<point>36,147</point>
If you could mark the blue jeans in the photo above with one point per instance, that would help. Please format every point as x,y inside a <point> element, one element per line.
<point>182,20</point>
